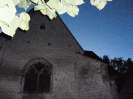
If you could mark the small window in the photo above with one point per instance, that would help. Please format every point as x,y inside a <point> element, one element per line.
<point>42,26</point>
<point>37,79</point>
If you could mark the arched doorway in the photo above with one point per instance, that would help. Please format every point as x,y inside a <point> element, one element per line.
<point>37,79</point>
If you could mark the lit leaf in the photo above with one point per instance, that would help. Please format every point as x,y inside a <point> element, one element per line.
<point>73,2</point>
<point>65,6</point>
<point>10,29</point>
<point>24,21</point>
<point>72,10</point>
<point>13,12</point>
<point>35,1</point>
<point>46,10</point>
<point>57,5</point>
<point>99,4</point>
<point>7,10</point>
<point>16,2</point>
<point>24,4</point>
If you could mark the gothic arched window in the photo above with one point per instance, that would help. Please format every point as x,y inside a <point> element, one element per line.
<point>37,78</point>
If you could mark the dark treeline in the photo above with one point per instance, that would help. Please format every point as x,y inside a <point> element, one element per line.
<point>119,69</point>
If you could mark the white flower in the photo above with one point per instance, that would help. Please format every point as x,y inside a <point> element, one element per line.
<point>11,18</point>
<point>99,4</point>
<point>7,11</point>
<point>72,10</point>
<point>46,10</point>
<point>7,14</point>
<point>65,6</point>
<point>11,27</point>
<point>16,2</point>
<point>24,21</point>
<point>24,4</point>
<point>38,1</point>
<point>73,2</point>
<point>57,5</point>
<point>19,21</point>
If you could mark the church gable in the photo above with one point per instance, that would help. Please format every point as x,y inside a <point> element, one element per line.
<point>44,32</point>
<point>43,63</point>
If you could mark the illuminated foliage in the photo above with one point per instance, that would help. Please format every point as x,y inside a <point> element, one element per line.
<point>11,18</point>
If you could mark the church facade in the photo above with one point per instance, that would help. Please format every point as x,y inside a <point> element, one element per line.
<point>48,63</point>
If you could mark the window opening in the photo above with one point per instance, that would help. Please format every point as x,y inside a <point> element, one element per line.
<point>37,79</point>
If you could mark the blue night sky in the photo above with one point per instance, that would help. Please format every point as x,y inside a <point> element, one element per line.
<point>107,32</point>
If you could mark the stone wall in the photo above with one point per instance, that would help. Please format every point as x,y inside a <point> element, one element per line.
<point>74,76</point>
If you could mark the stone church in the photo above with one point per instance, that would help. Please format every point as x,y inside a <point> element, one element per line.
<point>48,63</point>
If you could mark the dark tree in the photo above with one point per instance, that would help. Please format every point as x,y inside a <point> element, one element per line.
<point>106,59</point>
